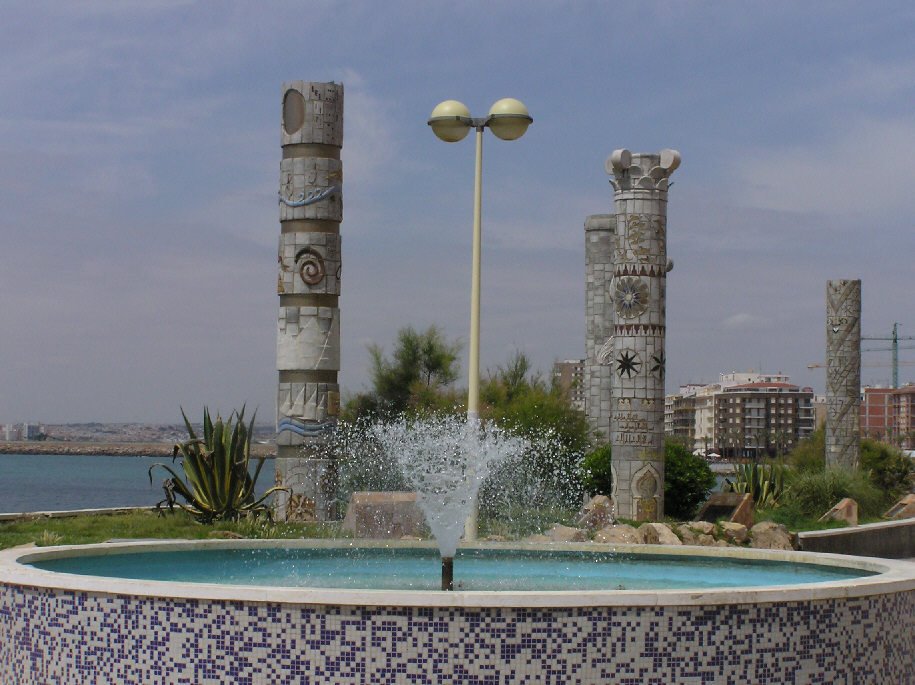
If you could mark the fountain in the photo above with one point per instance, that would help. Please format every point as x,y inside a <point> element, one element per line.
<point>445,460</point>
<point>355,611</point>
<point>284,612</point>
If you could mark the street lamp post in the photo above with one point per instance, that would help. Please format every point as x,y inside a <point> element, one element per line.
<point>508,119</point>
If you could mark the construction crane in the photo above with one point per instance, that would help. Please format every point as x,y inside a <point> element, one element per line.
<point>894,348</point>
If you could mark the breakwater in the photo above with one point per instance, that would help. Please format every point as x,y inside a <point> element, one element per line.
<point>110,449</point>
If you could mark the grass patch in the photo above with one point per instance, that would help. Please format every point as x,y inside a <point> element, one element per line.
<point>83,530</point>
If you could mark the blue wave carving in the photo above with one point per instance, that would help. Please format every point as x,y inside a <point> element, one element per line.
<point>310,198</point>
<point>306,430</point>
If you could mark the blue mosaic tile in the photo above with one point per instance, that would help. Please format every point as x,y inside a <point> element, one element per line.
<point>62,637</point>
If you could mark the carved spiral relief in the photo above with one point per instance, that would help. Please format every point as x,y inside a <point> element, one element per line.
<point>311,266</point>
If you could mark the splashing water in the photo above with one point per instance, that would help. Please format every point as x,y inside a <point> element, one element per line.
<point>445,459</point>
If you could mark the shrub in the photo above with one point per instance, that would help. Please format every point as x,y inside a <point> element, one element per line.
<point>218,485</point>
<point>764,482</point>
<point>596,475</point>
<point>688,480</point>
<point>813,493</point>
<point>889,469</point>
<point>810,453</point>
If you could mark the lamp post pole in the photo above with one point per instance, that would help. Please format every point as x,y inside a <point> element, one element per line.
<point>473,382</point>
<point>508,119</point>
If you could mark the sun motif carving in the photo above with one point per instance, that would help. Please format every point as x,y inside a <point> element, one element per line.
<point>628,363</point>
<point>630,297</point>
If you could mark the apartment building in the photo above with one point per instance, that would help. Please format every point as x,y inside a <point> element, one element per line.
<point>762,419</point>
<point>743,415</point>
<point>569,375</point>
<point>888,414</point>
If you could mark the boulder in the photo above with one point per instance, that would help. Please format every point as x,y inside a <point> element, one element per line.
<point>735,533</point>
<point>384,515</point>
<point>538,537</point>
<point>618,534</point>
<point>846,510</point>
<point>226,535</point>
<point>769,535</point>
<point>561,533</point>
<point>702,527</point>
<point>597,513</point>
<point>690,535</point>
<point>657,534</point>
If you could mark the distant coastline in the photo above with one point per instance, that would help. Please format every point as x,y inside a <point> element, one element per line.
<point>113,449</point>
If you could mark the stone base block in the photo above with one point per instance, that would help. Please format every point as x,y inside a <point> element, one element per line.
<point>846,510</point>
<point>903,509</point>
<point>384,515</point>
<point>730,506</point>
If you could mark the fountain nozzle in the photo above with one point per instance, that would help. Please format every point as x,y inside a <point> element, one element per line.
<point>447,573</point>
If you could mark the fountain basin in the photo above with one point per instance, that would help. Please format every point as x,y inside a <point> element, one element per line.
<point>65,628</point>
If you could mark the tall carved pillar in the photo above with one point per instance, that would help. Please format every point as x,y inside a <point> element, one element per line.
<point>600,244</point>
<point>308,285</point>
<point>640,267</point>
<point>843,373</point>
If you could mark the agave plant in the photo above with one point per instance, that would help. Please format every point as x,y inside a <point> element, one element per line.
<point>217,484</point>
<point>765,482</point>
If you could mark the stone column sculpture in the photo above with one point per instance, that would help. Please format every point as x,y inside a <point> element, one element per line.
<point>843,373</point>
<point>600,245</point>
<point>640,267</point>
<point>308,285</point>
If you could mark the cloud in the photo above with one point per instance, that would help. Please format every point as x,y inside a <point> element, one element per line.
<point>744,321</point>
<point>865,169</point>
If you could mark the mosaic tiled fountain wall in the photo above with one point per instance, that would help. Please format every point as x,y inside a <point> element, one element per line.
<point>78,634</point>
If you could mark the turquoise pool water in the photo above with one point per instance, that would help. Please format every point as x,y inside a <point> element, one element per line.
<point>419,569</point>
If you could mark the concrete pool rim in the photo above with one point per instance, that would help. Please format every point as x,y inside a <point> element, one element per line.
<point>892,576</point>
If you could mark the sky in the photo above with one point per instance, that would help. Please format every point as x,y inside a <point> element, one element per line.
<point>139,166</point>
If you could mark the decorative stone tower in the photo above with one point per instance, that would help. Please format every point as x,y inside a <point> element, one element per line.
<point>640,267</point>
<point>843,373</point>
<point>600,245</point>
<point>308,285</point>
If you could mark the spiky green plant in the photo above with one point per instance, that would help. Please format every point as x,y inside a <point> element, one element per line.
<point>765,482</point>
<point>217,484</point>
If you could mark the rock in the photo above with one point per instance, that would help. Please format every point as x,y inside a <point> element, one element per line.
<point>561,533</point>
<point>618,534</point>
<point>846,510</point>
<point>410,537</point>
<point>769,535</point>
<point>225,535</point>
<point>597,513</point>
<point>385,515</point>
<point>657,534</point>
<point>538,538</point>
<point>903,509</point>
<point>687,534</point>
<point>703,527</point>
<point>690,535</point>
<point>735,533</point>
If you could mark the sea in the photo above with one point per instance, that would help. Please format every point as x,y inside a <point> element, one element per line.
<point>57,482</point>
